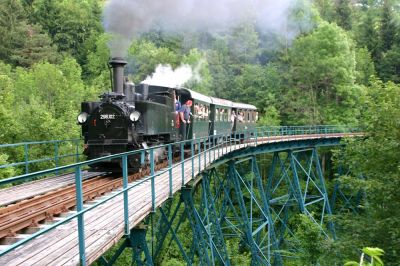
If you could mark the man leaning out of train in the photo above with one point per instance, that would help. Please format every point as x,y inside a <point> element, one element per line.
<point>184,115</point>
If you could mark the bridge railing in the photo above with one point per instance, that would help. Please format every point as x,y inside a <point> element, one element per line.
<point>201,151</point>
<point>32,156</point>
<point>27,157</point>
<point>303,130</point>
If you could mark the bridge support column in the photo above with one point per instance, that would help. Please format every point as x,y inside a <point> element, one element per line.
<point>254,218</point>
<point>207,234</point>
<point>167,224</point>
<point>136,240</point>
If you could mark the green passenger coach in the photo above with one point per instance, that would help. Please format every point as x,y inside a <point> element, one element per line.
<point>214,116</point>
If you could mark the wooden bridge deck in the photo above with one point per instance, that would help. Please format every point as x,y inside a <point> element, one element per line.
<point>104,225</point>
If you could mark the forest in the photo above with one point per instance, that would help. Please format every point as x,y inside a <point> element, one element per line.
<point>335,62</point>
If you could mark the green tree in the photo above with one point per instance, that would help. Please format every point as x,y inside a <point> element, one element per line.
<point>366,31</point>
<point>244,44</point>
<point>322,79</point>
<point>259,85</point>
<point>12,28</point>
<point>71,24</point>
<point>388,27</point>
<point>326,9</point>
<point>98,74</point>
<point>47,100</point>
<point>376,156</point>
<point>199,64</point>
<point>390,65</point>
<point>220,64</point>
<point>37,47</point>
<point>365,67</point>
<point>344,14</point>
<point>313,246</point>
<point>9,128</point>
<point>145,56</point>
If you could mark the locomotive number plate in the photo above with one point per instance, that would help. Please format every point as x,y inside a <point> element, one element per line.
<point>107,116</point>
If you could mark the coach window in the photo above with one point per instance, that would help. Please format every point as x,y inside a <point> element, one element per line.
<point>217,114</point>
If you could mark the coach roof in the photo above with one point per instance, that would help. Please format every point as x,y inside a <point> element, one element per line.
<point>195,95</point>
<point>244,106</point>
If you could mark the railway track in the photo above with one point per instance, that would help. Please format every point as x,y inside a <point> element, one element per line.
<point>30,213</point>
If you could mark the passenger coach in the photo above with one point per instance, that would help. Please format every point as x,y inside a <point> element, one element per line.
<point>216,116</point>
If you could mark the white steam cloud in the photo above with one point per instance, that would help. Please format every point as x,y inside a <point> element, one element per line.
<point>126,19</point>
<point>164,75</point>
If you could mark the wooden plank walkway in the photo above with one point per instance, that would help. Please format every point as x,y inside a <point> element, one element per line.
<point>37,187</point>
<point>104,226</point>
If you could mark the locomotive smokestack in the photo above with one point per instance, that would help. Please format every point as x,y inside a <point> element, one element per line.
<point>117,64</point>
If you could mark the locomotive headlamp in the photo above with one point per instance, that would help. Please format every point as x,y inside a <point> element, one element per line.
<point>134,116</point>
<point>82,117</point>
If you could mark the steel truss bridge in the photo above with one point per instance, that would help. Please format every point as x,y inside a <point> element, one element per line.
<point>216,196</point>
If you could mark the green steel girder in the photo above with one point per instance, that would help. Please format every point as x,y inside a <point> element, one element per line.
<point>245,205</point>
<point>136,240</point>
<point>257,227</point>
<point>208,239</point>
<point>165,225</point>
<point>276,147</point>
<point>299,180</point>
<point>212,220</point>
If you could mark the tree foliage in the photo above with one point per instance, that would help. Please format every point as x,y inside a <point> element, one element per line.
<point>322,78</point>
<point>376,157</point>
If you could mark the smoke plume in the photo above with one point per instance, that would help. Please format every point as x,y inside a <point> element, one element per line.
<point>164,75</point>
<point>126,19</point>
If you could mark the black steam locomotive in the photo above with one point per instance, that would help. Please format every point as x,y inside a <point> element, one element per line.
<point>135,117</point>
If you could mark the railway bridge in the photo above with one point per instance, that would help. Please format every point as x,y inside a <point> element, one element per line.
<point>213,189</point>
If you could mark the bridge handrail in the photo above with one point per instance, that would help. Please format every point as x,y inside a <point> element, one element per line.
<point>72,151</point>
<point>262,131</point>
<point>77,144</point>
<point>211,144</point>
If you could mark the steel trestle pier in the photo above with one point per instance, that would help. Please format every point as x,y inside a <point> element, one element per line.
<point>223,196</point>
